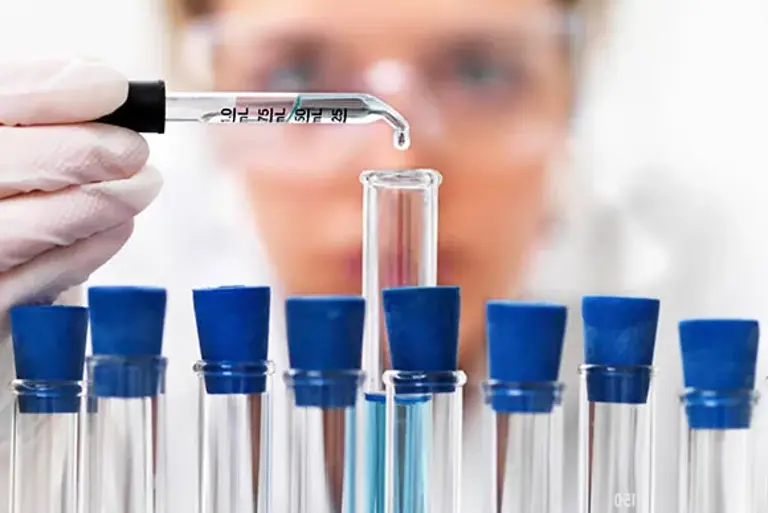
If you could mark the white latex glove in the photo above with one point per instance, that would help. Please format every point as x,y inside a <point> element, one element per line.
<point>69,189</point>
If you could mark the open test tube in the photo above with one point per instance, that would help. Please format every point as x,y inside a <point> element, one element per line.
<point>399,249</point>
<point>523,422</point>
<point>616,410</point>
<point>49,349</point>
<point>235,407</point>
<point>325,339</point>
<point>124,438</point>
<point>424,400</point>
<point>717,447</point>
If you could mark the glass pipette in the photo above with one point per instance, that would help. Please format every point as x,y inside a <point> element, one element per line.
<point>149,107</point>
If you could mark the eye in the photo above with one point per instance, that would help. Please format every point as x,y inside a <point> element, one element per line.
<point>482,69</point>
<point>294,74</point>
<point>476,71</point>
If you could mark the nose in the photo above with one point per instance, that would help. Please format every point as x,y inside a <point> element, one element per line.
<point>399,85</point>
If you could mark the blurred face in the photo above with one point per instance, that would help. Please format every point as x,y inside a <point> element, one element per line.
<point>484,85</point>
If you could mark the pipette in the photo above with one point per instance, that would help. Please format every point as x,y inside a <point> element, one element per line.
<point>149,107</point>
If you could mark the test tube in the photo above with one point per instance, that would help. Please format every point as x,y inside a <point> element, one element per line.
<point>717,448</point>
<point>522,398</point>
<point>235,407</point>
<point>125,440</point>
<point>616,415</point>
<point>424,400</point>
<point>325,339</point>
<point>399,249</point>
<point>49,349</point>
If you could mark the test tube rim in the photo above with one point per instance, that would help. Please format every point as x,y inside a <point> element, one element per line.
<point>95,359</point>
<point>48,387</point>
<point>415,179</point>
<point>394,377</point>
<point>290,375</point>
<point>718,395</point>
<point>210,368</point>
<point>617,369</point>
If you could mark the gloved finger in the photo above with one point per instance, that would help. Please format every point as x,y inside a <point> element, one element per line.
<point>49,158</point>
<point>34,223</point>
<point>57,91</point>
<point>43,278</point>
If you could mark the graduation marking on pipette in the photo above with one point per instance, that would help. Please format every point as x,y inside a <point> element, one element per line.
<point>148,108</point>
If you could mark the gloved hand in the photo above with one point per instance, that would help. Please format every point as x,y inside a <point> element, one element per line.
<point>69,189</point>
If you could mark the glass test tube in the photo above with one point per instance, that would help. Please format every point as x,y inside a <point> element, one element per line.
<point>44,441</point>
<point>124,434</point>
<point>718,442</point>
<point>49,348</point>
<point>399,249</point>
<point>325,344</point>
<point>322,426</point>
<point>524,428</point>
<point>423,441</point>
<point>717,463</point>
<point>235,413</point>
<point>522,411</point>
<point>616,439</point>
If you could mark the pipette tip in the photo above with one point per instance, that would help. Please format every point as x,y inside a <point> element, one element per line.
<point>402,140</point>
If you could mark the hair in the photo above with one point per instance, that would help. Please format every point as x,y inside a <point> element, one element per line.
<point>182,11</point>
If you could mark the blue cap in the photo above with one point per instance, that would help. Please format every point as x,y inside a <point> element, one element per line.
<point>525,340</point>
<point>619,336</point>
<point>719,359</point>
<point>49,345</point>
<point>127,322</point>
<point>233,326</point>
<point>423,327</point>
<point>525,344</point>
<point>325,337</point>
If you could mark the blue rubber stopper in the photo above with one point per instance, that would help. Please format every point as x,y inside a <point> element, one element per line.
<point>325,346</point>
<point>619,340</point>
<point>423,327</point>
<point>127,324</point>
<point>233,327</point>
<point>49,345</point>
<point>525,345</point>
<point>719,364</point>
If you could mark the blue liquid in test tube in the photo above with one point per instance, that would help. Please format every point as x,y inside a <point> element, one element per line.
<point>399,249</point>
<point>424,400</point>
